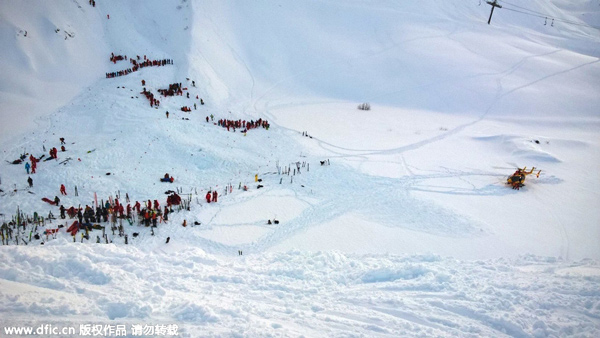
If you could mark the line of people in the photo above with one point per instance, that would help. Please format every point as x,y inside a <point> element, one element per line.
<point>151,63</point>
<point>119,73</point>
<point>150,213</point>
<point>150,97</point>
<point>242,124</point>
<point>136,65</point>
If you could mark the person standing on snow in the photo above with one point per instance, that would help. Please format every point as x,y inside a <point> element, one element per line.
<point>166,214</point>
<point>214,196</point>
<point>63,190</point>
<point>33,163</point>
<point>27,166</point>
<point>30,181</point>
<point>208,197</point>
<point>147,218</point>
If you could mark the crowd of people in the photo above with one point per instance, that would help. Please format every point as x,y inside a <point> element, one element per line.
<point>137,64</point>
<point>31,166</point>
<point>174,89</point>
<point>149,214</point>
<point>119,73</point>
<point>113,210</point>
<point>150,97</point>
<point>242,124</point>
<point>114,58</point>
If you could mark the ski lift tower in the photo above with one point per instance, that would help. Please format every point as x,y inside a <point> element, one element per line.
<point>494,4</point>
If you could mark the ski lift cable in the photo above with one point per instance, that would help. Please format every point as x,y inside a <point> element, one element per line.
<point>553,18</point>
<point>543,16</point>
<point>523,8</point>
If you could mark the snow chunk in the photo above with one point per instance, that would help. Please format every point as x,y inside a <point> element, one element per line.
<point>389,275</point>
<point>116,310</point>
<point>194,313</point>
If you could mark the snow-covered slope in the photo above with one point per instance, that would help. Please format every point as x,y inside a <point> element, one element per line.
<point>49,52</point>
<point>298,293</point>
<point>366,244</point>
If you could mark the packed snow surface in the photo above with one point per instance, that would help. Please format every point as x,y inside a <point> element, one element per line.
<point>396,221</point>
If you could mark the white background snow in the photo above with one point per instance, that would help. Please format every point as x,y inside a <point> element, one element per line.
<point>411,229</point>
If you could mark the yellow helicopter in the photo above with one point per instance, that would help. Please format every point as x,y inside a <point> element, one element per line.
<point>517,180</point>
